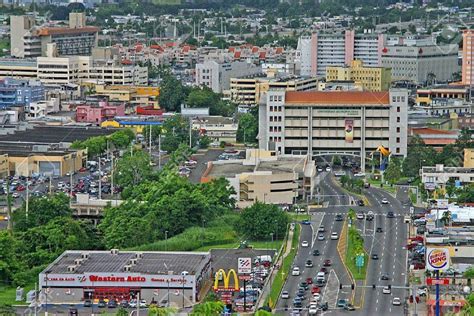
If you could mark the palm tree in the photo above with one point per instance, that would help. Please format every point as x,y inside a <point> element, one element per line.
<point>208,308</point>
<point>446,218</point>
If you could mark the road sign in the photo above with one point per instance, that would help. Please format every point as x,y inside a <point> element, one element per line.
<point>412,209</point>
<point>244,266</point>
<point>245,277</point>
<point>437,259</point>
<point>431,281</point>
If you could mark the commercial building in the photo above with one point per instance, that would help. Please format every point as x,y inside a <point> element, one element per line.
<point>173,277</point>
<point>40,109</point>
<point>425,97</point>
<point>264,176</point>
<point>368,78</point>
<point>439,175</point>
<point>217,75</point>
<point>134,95</point>
<point>434,137</point>
<point>18,68</point>
<point>334,122</point>
<point>27,40</point>
<point>218,128</point>
<point>321,50</point>
<point>247,90</point>
<point>96,114</point>
<point>20,92</point>
<point>468,57</point>
<point>420,64</point>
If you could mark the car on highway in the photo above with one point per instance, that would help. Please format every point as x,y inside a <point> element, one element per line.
<point>316,297</point>
<point>304,285</point>
<point>315,289</point>
<point>328,169</point>
<point>334,236</point>
<point>370,216</point>
<point>295,271</point>
<point>379,230</point>
<point>285,295</point>
<point>360,215</point>
<point>300,293</point>
<point>321,229</point>
<point>342,302</point>
<point>349,307</point>
<point>360,203</point>
<point>339,218</point>
<point>324,270</point>
<point>306,222</point>
<point>308,264</point>
<point>320,237</point>
<point>313,309</point>
<point>390,215</point>
<point>316,252</point>
<point>384,277</point>
<point>375,256</point>
<point>297,302</point>
<point>386,290</point>
<point>304,243</point>
<point>124,304</point>
<point>396,301</point>
<point>327,263</point>
<point>320,169</point>
<point>384,201</point>
<point>309,280</point>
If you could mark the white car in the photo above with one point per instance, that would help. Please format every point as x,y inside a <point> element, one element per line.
<point>384,201</point>
<point>320,237</point>
<point>334,236</point>
<point>143,303</point>
<point>132,304</point>
<point>360,215</point>
<point>316,297</point>
<point>328,169</point>
<point>285,295</point>
<point>313,309</point>
<point>295,271</point>
<point>396,301</point>
<point>304,244</point>
<point>360,174</point>
<point>386,290</point>
<point>321,229</point>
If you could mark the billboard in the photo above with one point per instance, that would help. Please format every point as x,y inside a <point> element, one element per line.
<point>437,259</point>
<point>244,265</point>
<point>349,130</point>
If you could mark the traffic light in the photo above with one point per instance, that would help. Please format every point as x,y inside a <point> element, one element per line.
<point>389,286</point>
<point>352,286</point>
<point>340,286</point>
<point>373,286</point>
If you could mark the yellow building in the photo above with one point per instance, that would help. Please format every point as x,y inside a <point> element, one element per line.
<point>247,91</point>
<point>426,96</point>
<point>134,95</point>
<point>368,78</point>
<point>469,158</point>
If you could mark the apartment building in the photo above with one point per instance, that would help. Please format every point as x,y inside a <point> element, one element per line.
<point>367,78</point>
<point>18,68</point>
<point>321,50</point>
<point>27,40</point>
<point>134,95</point>
<point>419,64</point>
<point>217,75</point>
<point>20,92</point>
<point>247,90</point>
<point>218,128</point>
<point>334,122</point>
<point>439,175</point>
<point>468,57</point>
<point>96,114</point>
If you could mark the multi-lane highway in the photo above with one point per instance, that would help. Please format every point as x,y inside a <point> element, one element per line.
<point>387,242</point>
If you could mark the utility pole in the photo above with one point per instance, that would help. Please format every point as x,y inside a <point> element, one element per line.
<point>112,176</point>
<point>27,186</point>
<point>150,143</point>
<point>100,181</point>
<point>190,132</point>
<point>9,206</point>
<point>159,152</point>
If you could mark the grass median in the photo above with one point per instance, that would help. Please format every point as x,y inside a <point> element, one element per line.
<point>355,245</point>
<point>280,278</point>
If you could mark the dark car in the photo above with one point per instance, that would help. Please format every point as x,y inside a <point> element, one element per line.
<point>308,264</point>
<point>304,285</point>
<point>124,304</point>
<point>379,230</point>
<point>112,304</point>
<point>324,306</point>
<point>375,257</point>
<point>349,307</point>
<point>316,252</point>
<point>87,303</point>
<point>339,218</point>
<point>384,277</point>
<point>306,222</point>
<point>323,269</point>
<point>101,304</point>
<point>390,215</point>
<point>327,263</point>
<point>360,203</point>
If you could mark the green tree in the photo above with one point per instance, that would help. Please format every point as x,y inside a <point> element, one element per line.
<point>248,128</point>
<point>10,258</point>
<point>172,93</point>
<point>122,139</point>
<point>161,311</point>
<point>446,218</point>
<point>176,132</point>
<point>465,139</point>
<point>208,308</point>
<point>204,141</point>
<point>418,155</point>
<point>132,169</point>
<point>41,211</point>
<point>393,172</point>
<point>260,220</point>
<point>121,312</point>
<point>336,161</point>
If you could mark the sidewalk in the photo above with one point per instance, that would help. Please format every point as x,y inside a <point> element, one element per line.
<point>276,268</point>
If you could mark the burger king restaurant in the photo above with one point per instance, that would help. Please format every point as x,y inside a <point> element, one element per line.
<point>174,278</point>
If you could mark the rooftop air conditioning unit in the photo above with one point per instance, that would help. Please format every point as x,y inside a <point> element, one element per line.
<point>78,262</point>
<point>127,268</point>
<point>138,255</point>
<point>85,255</point>
<point>71,268</point>
<point>114,251</point>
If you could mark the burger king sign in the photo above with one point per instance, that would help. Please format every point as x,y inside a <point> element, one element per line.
<point>437,259</point>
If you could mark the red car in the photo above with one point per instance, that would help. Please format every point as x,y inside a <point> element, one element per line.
<point>327,263</point>
<point>309,280</point>
<point>20,188</point>
<point>412,245</point>
<point>83,169</point>
<point>417,239</point>
<point>315,290</point>
<point>418,266</point>
<point>323,270</point>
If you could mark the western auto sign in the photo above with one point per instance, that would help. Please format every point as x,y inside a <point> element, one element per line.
<point>431,281</point>
<point>437,259</point>
<point>98,278</point>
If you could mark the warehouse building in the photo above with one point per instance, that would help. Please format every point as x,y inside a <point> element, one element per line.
<point>162,277</point>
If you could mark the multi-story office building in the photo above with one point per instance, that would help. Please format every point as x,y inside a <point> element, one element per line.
<point>334,122</point>
<point>433,63</point>
<point>367,78</point>
<point>20,92</point>
<point>468,57</point>
<point>321,50</point>
<point>247,90</point>
<point>217,75</point>
<point>27,40</point>
<point>18,68</point>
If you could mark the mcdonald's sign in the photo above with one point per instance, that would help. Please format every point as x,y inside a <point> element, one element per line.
<point>222,275</point>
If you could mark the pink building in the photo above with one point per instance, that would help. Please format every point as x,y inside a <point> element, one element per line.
<point>96,114</point>
<point>468,57</point>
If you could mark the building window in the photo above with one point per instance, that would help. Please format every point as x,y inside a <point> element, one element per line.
<point>398,109</point>
<point>398,140</point>
<point>398,150</point>
<point>398,129</point>
<point>398,119</point>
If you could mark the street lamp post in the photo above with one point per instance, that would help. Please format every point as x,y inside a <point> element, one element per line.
<point>166,240</point>
<point>168,281</point>
<point>183,291</point>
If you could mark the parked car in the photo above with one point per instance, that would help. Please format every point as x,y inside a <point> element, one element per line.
<point>101,304</point>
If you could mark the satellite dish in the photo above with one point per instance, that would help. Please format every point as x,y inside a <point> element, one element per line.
<point>466,289</point>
